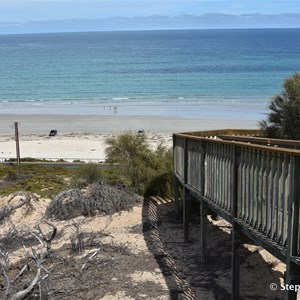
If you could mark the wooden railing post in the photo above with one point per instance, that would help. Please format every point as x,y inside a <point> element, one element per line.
<point>292,275</point>
<point>203,233</point>
<point>235,232</point>
<point>186,195</point>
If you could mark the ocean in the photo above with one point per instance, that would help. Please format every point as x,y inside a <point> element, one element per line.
<point>146,72</point>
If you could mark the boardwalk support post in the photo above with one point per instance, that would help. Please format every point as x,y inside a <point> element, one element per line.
<point>186,195</point>
<point>176,196</point>
<point>235,231</point>
<point>203,229</point>
<point>186,214</point>
<point>292,275</point>
<point>203,233</point>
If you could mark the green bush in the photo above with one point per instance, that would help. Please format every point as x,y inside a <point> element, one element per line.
<point>146,171</point>
<point>161,185</point>
<point>86,174</point>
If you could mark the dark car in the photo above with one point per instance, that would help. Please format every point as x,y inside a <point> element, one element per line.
<point>53,132</point>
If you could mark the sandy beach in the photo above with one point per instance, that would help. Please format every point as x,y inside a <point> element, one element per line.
<point>83,136</point>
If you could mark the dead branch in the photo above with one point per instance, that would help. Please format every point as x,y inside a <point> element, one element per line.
<point>20,273</point>
<point>52,236</point>
<point>6,210</point>
<point>77,242</point>
<point>38,258</point>
<point>21,294</point>
<point>94,254</point>
<point>5,267</point>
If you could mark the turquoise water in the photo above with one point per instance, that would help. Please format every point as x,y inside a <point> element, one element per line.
<point>154,68</point>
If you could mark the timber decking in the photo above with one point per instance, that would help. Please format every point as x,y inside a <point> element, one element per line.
<point>252,182</point>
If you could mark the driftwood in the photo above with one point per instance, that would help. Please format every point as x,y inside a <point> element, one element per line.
<point>37,255</point>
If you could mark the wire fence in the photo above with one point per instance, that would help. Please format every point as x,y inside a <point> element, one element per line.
<point>53,160</point>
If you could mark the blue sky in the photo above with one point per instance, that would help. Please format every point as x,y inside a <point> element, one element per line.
<point>26,11</point>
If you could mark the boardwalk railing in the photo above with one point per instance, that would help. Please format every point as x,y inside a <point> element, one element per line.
<point>254,183</point>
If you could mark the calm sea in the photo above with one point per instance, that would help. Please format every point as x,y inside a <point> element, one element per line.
<point>144,68</point>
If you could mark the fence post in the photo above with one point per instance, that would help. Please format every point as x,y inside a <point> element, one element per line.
<point>17,143</point>
<point>292,274</point>
<point>235,231</point>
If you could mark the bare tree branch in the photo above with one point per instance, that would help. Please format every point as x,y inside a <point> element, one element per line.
<point>94,254</point>
<point>45,248</point>
<point>6,210</point>
<point>21,294</point>
<point>5,267</point>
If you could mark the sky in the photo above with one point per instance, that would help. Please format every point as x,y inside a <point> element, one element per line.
<point>18,15</point>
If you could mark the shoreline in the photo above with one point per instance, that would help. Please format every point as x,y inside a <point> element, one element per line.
<point>31,124</point>
<point>83,136</point>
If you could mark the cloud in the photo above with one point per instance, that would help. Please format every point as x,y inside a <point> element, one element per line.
<point>154,22</point>
<point>42,10</point>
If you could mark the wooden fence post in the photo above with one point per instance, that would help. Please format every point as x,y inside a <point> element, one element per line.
<point>17,143</point>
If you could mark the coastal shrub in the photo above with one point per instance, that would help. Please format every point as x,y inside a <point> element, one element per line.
<point>283,121</point>
<point>147,170</point>
<point>86,174</point>
<point>97,198</point>
<point>161,185</point>
<point>45,181</point>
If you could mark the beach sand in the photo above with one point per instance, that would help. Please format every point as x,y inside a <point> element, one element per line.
<point>83,136</point>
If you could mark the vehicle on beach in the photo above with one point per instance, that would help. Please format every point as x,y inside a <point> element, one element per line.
<point>53,132</point>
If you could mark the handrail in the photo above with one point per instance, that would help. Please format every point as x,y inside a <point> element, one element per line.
<point>241,142</point>
<point>263,141</point>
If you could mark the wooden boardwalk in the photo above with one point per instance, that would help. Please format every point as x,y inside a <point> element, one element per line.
<point>253,183</point>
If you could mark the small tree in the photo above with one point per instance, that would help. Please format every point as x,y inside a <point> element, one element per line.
<point>284,119</point>
<point>133,151</point>
<point>142,164</point>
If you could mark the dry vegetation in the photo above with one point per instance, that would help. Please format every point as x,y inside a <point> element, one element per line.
<point>137,254</point>
<point>48,250</point>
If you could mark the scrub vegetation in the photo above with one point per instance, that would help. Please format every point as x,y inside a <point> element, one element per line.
<point>283,120</point>
<point>132,163</point>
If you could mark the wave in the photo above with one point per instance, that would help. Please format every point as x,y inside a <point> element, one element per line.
<point>137,101</point>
